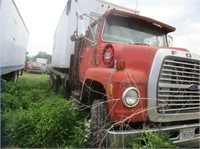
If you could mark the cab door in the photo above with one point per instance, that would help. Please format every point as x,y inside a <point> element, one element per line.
<point>88,56</point>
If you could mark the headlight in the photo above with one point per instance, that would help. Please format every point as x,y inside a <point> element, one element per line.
<point>130,97</point>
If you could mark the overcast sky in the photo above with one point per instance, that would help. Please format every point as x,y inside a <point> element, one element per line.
<point>41,18</point>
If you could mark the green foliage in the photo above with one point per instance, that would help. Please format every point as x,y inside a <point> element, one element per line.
<point>64,91</point>
<point>35,117</point>
<point>152,140</point>
<point>47,124</point>
<point>23,93</point>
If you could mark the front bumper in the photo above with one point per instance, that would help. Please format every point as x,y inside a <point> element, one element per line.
<point>122,139</point>
<point>36,70</point>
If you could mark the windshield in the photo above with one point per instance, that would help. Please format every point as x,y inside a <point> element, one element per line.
<point>121,29</point>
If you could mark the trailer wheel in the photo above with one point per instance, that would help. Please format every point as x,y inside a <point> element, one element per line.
<point>98,124</point>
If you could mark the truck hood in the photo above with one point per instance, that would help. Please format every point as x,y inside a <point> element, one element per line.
<point>139,57</point>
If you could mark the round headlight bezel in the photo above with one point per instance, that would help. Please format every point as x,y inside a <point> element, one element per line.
<point>124,96</point>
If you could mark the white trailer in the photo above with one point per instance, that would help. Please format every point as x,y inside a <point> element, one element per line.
<point>43,61</point>
<point>13,40</point>
<point>63,47</point>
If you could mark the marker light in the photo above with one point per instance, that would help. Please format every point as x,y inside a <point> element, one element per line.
<point>109,88</point>
<point>120,64</point>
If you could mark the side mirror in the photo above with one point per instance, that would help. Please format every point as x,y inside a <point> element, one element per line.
<point>81,29</point>
<point>80,25</point>
<point>169,41</point>
<point>73,37</point>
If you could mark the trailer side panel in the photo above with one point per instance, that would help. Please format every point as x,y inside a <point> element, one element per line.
<point>13,38</point>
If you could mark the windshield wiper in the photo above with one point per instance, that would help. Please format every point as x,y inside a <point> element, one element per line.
<point>140,43</point>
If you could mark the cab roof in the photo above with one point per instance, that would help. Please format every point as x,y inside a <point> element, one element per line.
<point>163,26</point>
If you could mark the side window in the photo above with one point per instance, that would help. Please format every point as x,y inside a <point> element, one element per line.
<point>68,7</point>
<point>94,32</point>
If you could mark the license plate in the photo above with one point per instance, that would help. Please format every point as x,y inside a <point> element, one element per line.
<point>187,133</point>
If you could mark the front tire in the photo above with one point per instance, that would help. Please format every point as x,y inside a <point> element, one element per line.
<point>99,124</point>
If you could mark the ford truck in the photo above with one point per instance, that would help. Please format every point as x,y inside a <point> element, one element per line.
<point>120,65</point>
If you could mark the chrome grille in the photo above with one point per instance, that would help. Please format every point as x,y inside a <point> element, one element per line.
<point>179,86</point>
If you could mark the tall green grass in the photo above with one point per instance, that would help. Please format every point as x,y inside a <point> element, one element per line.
<point>35,117</point>
<point>152,140</point>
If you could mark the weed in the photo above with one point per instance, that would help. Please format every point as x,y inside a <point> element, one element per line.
<point>33,116</point>
<point>152,140</point>
<point>64,91</point>
<point>45,124</point>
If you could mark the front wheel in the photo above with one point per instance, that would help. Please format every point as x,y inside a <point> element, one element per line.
<point>99,124</point>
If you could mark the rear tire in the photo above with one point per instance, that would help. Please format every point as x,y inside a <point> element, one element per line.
<point>98,124</point>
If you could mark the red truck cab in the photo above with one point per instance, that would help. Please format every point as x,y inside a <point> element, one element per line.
<point>133,81</point>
